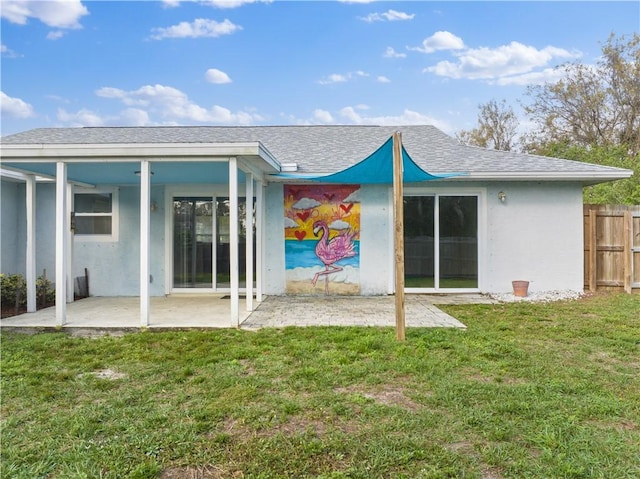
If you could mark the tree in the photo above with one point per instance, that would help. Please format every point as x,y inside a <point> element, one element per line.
<point>592,105</point>
<point>593,115</point>
<point>617,192</point>
<point>497,127</point>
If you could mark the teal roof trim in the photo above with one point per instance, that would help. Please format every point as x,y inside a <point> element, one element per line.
<point>377,168</point>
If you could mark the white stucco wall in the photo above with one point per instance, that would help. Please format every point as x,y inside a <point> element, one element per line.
<point>376,240</point>
<point>45,230</point>
<point>535,235</point>
<point>274,272</point>
<point>114,265</point>
<point>9,226</point>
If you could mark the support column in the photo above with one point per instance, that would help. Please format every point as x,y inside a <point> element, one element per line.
<point>145,233</point>
<point>249,241</point>
<point>233,241</point>
<point>398,219</point>
<point>61,243</point>
<point>31,244</point>
<point>259,238</point>
<point>70,288</point>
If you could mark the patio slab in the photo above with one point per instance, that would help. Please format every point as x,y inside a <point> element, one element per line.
<point>282,311</point>
<point>121,314</point>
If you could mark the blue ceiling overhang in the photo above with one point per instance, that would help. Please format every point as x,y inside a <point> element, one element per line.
<point>124,173</point>
<point>377,168</point>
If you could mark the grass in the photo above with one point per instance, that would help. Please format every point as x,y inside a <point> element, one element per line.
<point>527,391</point>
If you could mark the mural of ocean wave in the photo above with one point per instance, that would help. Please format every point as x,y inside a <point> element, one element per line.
<point>302,254</point>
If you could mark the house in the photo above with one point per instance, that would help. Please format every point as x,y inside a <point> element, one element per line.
<point>153,211</point>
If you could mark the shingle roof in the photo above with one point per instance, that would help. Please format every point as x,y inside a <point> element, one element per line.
<point>322,149</point>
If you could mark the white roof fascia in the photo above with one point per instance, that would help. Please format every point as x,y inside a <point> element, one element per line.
<point>135,151</point>
<point>618,174</point>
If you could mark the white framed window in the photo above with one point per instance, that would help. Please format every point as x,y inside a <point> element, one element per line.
<point>95,214</point>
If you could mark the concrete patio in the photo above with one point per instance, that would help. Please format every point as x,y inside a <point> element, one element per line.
<point>212,311</point>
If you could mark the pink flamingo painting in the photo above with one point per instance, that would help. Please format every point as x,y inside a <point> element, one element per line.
<point>329,251</point>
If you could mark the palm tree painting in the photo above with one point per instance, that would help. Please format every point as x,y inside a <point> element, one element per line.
<point>322,239</point>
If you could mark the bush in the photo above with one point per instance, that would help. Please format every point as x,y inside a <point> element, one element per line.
<point>13,291</point>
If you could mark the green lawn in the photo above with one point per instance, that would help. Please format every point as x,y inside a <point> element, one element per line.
<point>527,391</point>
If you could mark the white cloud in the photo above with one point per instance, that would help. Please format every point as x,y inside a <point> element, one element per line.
<point>322,116</point>
<point>200,27</point>
<point>82,117</point>
<point>356,115</point>
<point>342,78</point>
<point>231,3</point>
<point>53,13</point>
<point>55,35</point>
<point>339,225</point>
<point>383,79</point>
<point>215,3</point>
<point>408,117</point>
<point>333,78</point>
<point>14,107</point>
<point>134,117</point>
<point>7,52</point>
<point>391,53</point>
<point>289,223</point>
<point>172,105</point>
<point>388,16</point>
<point>214,75</point>
<point>305,204</point>
<point>353,197</point>
<point>441,40</point>
<point>548,75</point>
<point>486,63</point>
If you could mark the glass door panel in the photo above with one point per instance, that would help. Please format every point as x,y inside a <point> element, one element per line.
<point>192,242</point>
<point>419,232</point>
<point>458,241</point>
<point>223,275</point>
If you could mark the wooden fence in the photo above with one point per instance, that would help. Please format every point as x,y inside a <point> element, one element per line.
<point>612,248</point>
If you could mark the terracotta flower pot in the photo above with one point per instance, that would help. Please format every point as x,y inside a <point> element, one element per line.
<point>520,288</point>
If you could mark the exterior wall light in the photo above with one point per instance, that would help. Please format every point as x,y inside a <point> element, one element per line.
<point>502,196</point>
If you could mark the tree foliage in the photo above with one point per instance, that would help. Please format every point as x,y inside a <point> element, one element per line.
<point>592,114</point>
<point>497,127</point>
<point>592,106</point>
<point>617,192</point>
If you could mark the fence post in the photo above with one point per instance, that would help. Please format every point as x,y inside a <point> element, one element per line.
<point>593,250</point>
<point>628,251</point>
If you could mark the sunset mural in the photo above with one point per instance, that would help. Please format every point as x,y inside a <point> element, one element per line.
<point>322,232</point>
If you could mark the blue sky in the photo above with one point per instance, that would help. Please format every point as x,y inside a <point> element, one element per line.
<point>239,62</point>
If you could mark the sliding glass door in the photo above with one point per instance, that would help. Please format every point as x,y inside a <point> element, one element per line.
<point>192,242</point>
<point>223,272</point>
<point>441,241</point>
<point>199,262</point>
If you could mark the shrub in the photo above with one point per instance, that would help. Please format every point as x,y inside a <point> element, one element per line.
<point>13,290</point>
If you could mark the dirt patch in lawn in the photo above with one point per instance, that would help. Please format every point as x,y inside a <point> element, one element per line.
<point>200,472</point>
<point>388,395</point>
<point>108,374</point>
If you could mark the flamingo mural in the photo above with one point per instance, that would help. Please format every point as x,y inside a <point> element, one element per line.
<point>322,227</point>
<point>330,251</point>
